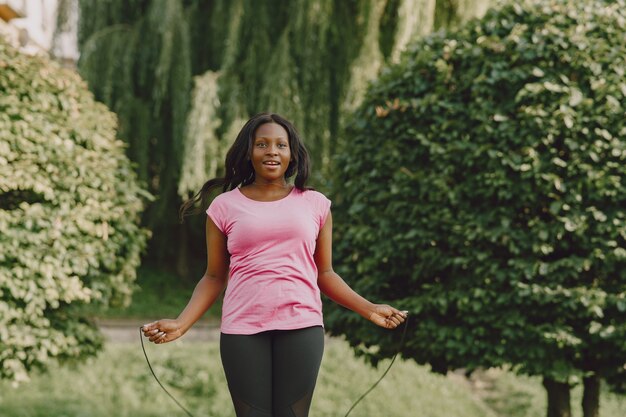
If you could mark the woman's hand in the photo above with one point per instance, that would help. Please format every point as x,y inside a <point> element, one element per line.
<point>162,331</point>
<point>387,316</point>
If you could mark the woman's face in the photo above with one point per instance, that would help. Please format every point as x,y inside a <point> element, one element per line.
<point>270,152</point>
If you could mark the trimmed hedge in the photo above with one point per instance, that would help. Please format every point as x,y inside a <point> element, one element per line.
<point>483,188</point>
<point>69,214</point>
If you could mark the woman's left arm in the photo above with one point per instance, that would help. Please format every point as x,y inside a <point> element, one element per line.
<point>336,289</point>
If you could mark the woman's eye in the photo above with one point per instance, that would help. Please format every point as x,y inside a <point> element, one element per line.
<point>282,145</point>
<point>260,145</point>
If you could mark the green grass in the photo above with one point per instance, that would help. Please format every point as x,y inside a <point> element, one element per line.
<point>512,395</point>
<point>118,384</point>
<point>159,294</point>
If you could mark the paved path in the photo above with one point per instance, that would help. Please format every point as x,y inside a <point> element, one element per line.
<point>127,330</point>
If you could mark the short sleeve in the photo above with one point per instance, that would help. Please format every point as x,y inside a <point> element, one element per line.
<point>217,212</point>
<point>323,208</point>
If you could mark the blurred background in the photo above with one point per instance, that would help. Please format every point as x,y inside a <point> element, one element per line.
<point>473,149</point>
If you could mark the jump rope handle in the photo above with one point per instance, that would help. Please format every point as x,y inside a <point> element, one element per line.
<point>406,325</point>
<point>155,377</point>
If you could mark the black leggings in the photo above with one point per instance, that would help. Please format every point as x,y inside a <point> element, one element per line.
<point>273,373</point>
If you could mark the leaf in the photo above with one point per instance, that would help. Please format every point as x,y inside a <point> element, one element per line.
<point>576,97</point>
<point>69,215</point>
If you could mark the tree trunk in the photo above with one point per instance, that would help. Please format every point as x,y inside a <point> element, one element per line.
<point>558,398</point>
<point>591,396</point>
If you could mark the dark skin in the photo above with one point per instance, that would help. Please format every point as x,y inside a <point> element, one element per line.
<point>270,157</point>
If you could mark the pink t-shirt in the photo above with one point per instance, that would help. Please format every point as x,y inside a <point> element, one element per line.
<point>272,282</point>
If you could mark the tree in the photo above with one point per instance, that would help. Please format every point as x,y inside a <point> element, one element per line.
<point>136,59</point>
<point>69,213</point>
<point>482,187</point>
<point>179,106</point>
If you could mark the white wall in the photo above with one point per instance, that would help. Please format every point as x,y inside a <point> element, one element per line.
<point>37,28</point>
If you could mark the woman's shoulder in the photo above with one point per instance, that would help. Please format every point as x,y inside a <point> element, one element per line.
<point>225,197</point>
<point>316,199</point>
<point>312,194</point>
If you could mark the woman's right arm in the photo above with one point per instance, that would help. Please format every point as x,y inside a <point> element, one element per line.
<point>204,295</point>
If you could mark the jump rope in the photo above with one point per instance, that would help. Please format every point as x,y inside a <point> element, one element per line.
<point>393,359</point>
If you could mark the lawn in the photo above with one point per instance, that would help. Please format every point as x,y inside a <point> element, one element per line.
<point>118,383</point>
<point>158,294</point>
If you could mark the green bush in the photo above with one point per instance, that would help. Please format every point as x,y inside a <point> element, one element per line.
<point>69,213</point>
<point>483,188</point>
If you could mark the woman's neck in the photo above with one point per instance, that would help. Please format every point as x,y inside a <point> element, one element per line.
<point>266,190</point>
<point>278,183</point>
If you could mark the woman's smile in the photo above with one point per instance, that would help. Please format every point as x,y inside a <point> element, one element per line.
<point>271,153</point>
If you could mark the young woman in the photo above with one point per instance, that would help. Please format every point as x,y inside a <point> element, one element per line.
<point>269,244</point>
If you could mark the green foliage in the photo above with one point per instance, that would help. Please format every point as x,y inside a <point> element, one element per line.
<point>307,59</point>
<point>388,27</point>
<point>97,15</point>
<point>451,13</point>
<point>157,294</point>
<point>293,59</point>
<point>203,151</point>
<point>482,188</point>
<point>209,22</point>
<point>69,208</point>
<point>135,58</point>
